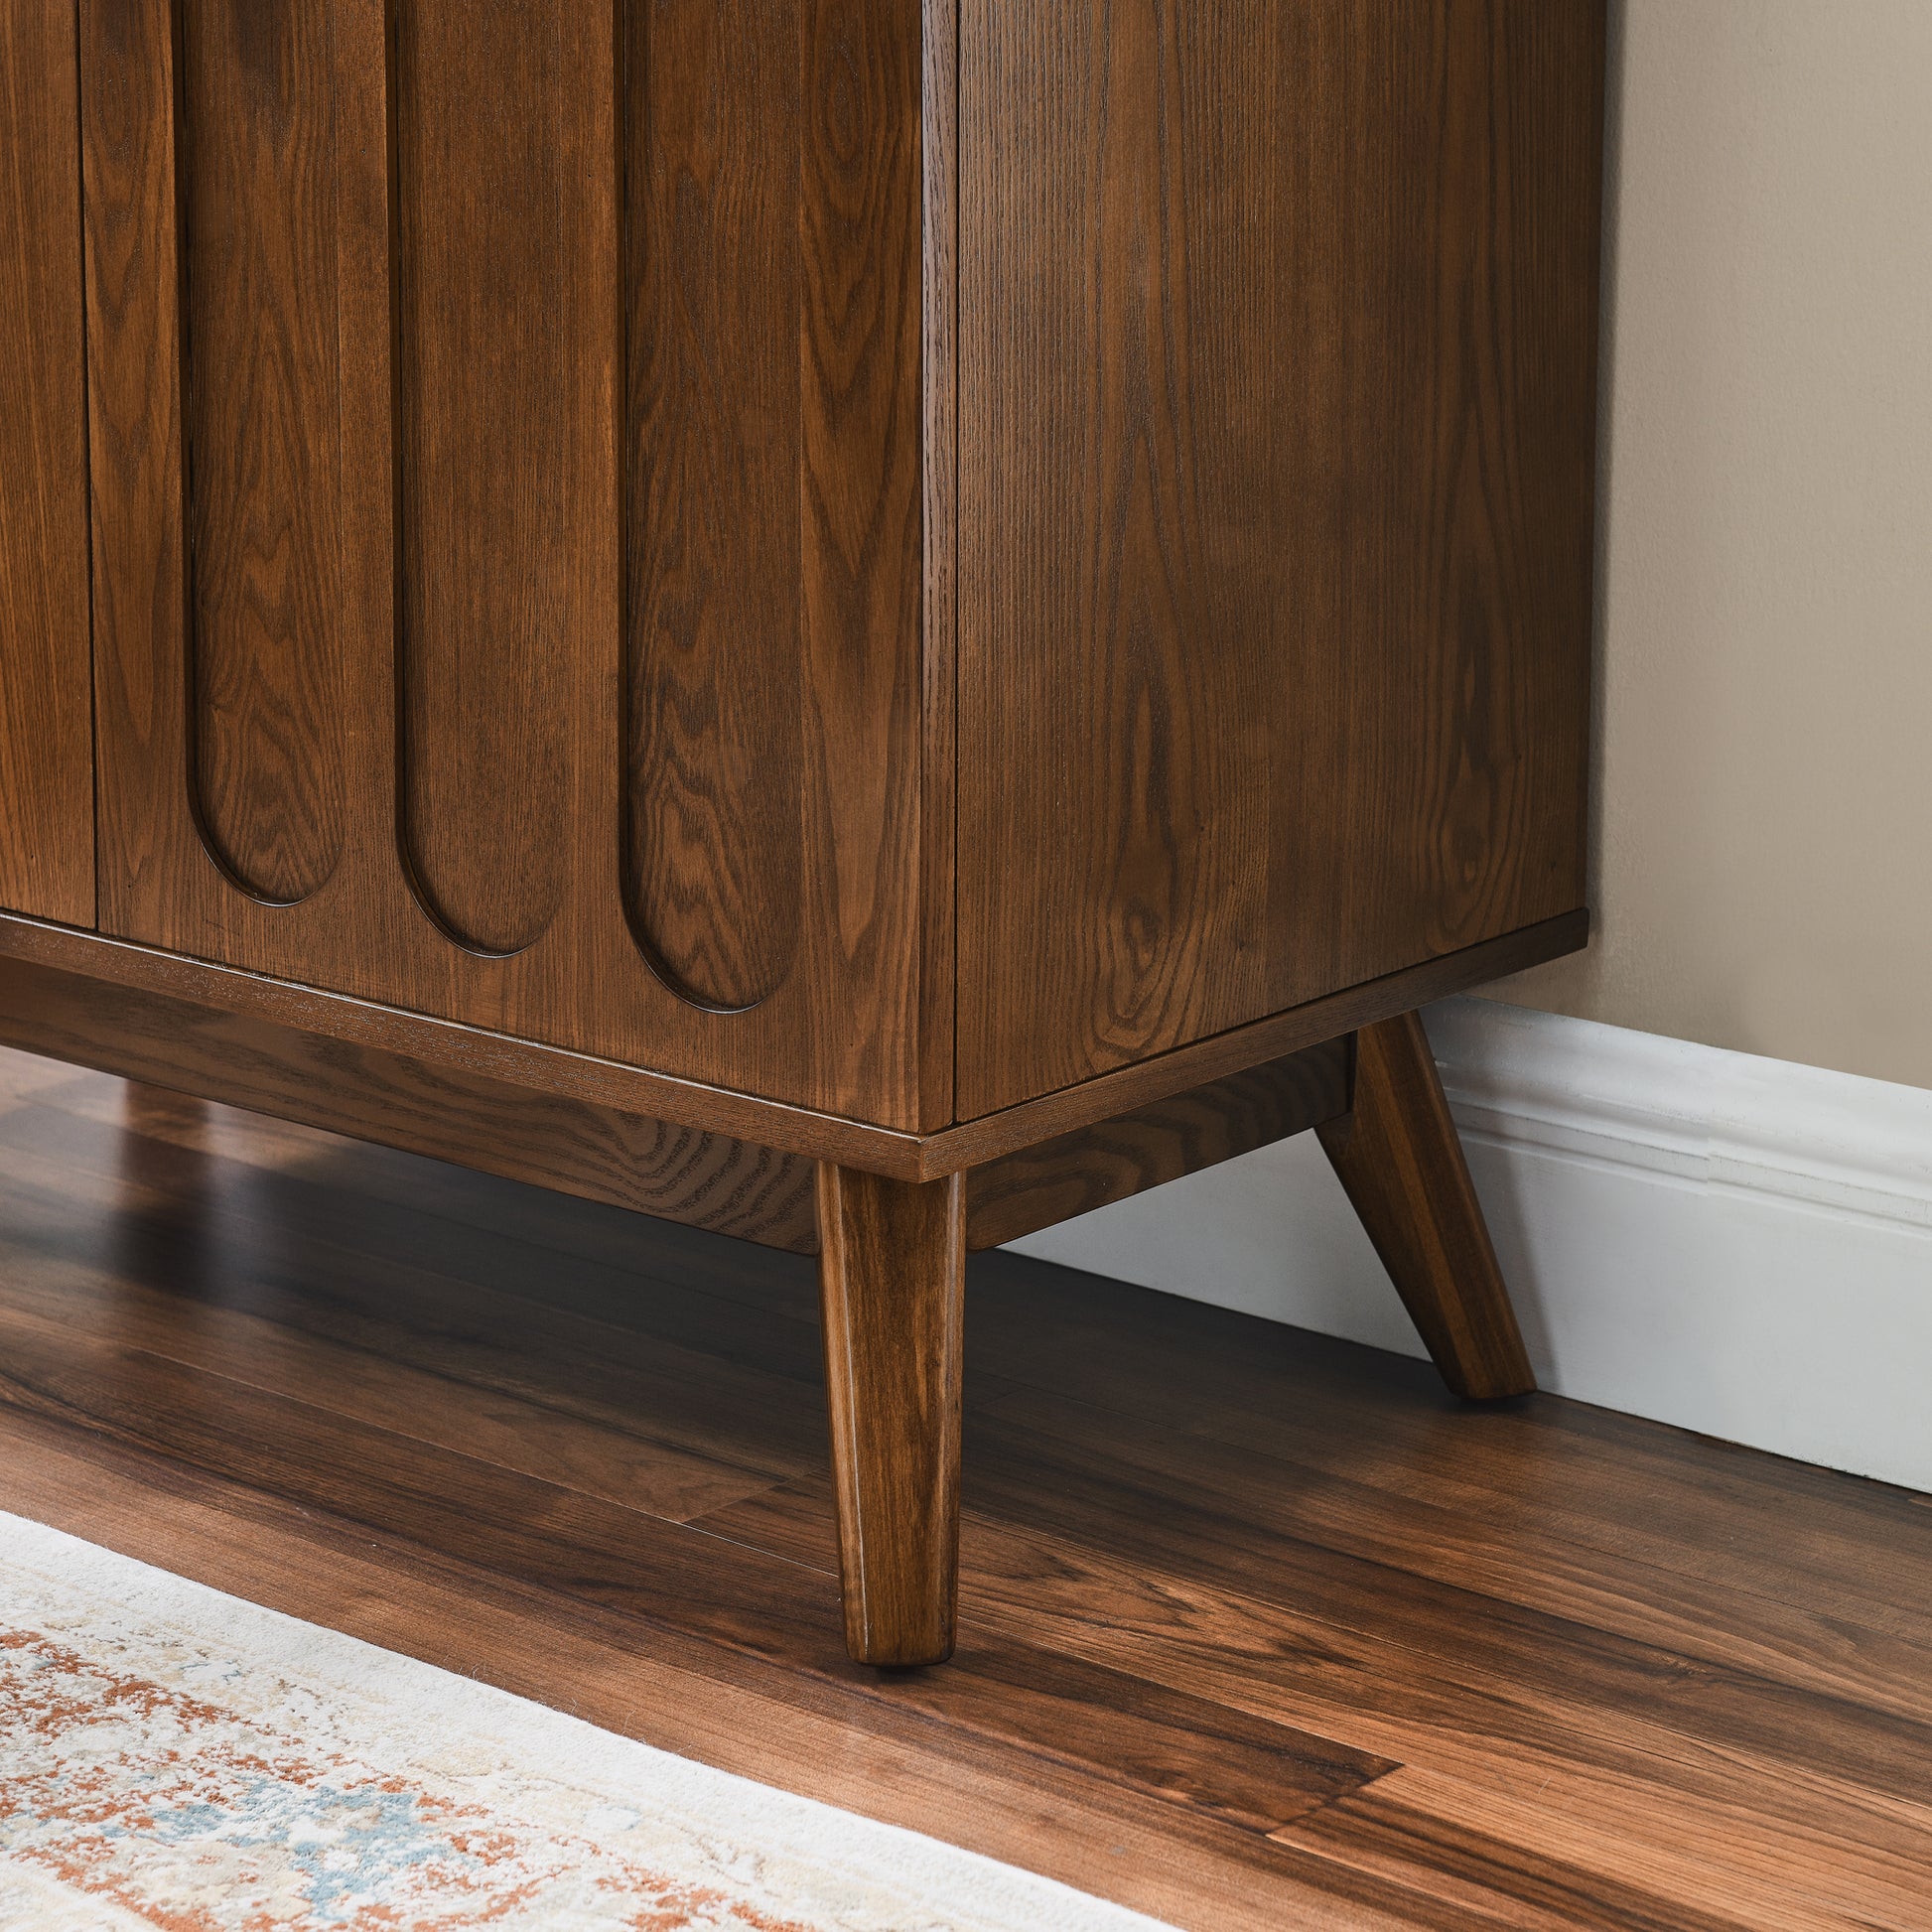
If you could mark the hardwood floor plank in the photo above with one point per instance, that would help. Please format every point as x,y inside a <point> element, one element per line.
<point>1804,1648</point>
<point>718,1706</point>
<point>573,1545</point>
<point>1126,1501</point>
<point>1734,1517</point>
<point>1465,1840</point>
<point>475,1204</point>
<point>1324,1404</point>
<point>287,1268</point>
<point>615,1478</point>
<point>623,1465</point>
<point>1058,1310</point>
<point>640,1286</point>
<point>1384,1833</point>
<point>1668,1795</point>
<point>26,1074</point>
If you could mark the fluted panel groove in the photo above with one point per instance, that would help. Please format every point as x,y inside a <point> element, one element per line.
<point>480,167</point>
<point>255,161</point>
<point>712,835</point>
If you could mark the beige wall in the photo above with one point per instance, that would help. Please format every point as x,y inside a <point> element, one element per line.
<point>1763,846</point>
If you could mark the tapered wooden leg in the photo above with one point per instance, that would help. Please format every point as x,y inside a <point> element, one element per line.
<point>1399,1158</point>
<point>891,1275</point>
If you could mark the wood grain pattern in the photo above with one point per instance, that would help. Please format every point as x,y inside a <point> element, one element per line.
<point>525,1063</point>
<point>1108,1095</point>
<point>532,1066</point>
<point>1277,330</point>
<point>485,119</point>
<point>1073,1173</point>
<point>447,1112</point>
<point>655,531</point>
<point>47,802</point>
<point>680,1692</point>
<point>940,534</point>
<point>891,1269</point>
<point>1674,1525</point>
<point>605,1154</point>
<point>256,159</point>
<point>149,857</point>
<point>715,726</point>
<point>1397,1154</point>
<point>490,482</point>
<point>658,523</point>
<point>1257,1627</point>
<point>861,555</point>
<point>294,603</point>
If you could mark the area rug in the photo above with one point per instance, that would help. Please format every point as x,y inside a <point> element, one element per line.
<point>171,1757</point>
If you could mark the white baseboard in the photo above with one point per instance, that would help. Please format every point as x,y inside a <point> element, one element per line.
<point>1736,1245</point>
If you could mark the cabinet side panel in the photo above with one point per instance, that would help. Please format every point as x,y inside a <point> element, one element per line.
<point>47,800</point>
<point>939,400</point>
<point>261,402</point>
<point>479,99</point>
<point>1276,345</point>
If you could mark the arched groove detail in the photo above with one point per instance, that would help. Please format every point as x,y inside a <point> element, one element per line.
<point>479,175</point>
<point>712,858</point>
<point>261,460</point>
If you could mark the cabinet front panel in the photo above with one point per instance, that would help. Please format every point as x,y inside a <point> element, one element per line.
<point>47,789</point>
<point>506,538</point>
<point>483,385</point>
<point>262,395</point>
<point>714,746</point>
<point>1277,337</point>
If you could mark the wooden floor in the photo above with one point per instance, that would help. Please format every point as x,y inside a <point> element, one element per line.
<point>1259,1629</point>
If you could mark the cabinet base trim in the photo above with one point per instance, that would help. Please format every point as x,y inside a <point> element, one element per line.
<point>554,1074</point>
<point>628,1159</point>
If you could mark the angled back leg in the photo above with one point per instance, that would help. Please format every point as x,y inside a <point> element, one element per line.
<point>1399,1159</point>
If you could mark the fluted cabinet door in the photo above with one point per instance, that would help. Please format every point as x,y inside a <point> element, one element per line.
<point>508,555</point>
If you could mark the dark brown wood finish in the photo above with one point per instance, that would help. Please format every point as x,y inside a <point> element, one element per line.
<point>862,554</point>
<point>939,590</point>
<point>503,363</point>
<point>449,1112</point>
<point>1397,1154</point>
<point>891,1269</point>
<point>626,1160</point>
<point>715,732</point>
<point>525,403</point>
<point>1277,331</point>
<point>262,407</point>
<point>939,537</point>
<point>134,442</point>
<point>1073,1173</point>
<point>47,801</point>
<point>908,1156</point>
<point>583,658</point>
<point>520,1062</point>
<point>1109,1095</point>
<point>785,744</point>
<point>1258,1628</point>
<point>244,718</point>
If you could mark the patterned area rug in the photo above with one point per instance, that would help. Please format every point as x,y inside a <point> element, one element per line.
<point>174,1757</point>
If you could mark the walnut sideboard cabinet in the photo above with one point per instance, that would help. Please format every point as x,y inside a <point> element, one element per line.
<point>866,622</point>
